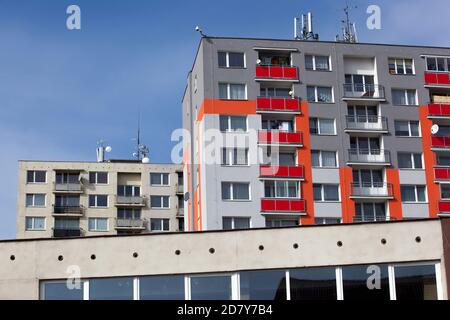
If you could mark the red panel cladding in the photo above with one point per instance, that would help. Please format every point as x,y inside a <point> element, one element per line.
<point>282,205</point>
<point>290,73</point>
<point>443,78</point>
<point>278,103</point>
<point>267,205</point>
<point>263,103</point>
<point>430,78</point>
<point>262,71</point>
<point>434,109</point>
<point>296,172</point>
<point>293,105</point>
<point>444,206</point>
<point>441,173</point>
<point>438,141</point>
<point>275,72</point>
<point>298,205</point>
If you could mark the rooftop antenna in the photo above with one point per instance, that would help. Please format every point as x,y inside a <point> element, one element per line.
<point>142,151</point>
<point>348,28</point>
<point>199,30</point>
<point>306,31</point>
<point>101,150</point>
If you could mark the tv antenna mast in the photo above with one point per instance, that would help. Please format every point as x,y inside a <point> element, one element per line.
<point>142,151</point>
<point>348,28</point>
<point>306,30</point>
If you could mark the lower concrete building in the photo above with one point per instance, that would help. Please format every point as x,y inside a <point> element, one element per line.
<point>377,261</point>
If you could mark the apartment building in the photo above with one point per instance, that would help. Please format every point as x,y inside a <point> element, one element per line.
<point>315,132</point>
<point>72,199</point>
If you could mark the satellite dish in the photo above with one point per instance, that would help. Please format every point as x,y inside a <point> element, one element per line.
<point>258,61</point>
<point>108,149</point>
<point>146,160</point>
<point>434,129</point>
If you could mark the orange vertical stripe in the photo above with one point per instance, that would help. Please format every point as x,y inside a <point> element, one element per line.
<point>395,205</point>
<point>347,204</point>
<point>433,190</point>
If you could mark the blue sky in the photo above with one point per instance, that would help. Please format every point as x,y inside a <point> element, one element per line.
<point>61,91</point>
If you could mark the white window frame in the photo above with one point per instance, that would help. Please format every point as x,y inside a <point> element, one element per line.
<point>228,84</point>
<point>404,66</point>
<point>229,129</point>
<point>405,92</point>
<point>96,177</point>
<point>373,204</point>
<point>34,177</point>
<point>134,190</point>
<point>322,192</point>
<point>232,193</point>
<point>409,129</point>
<point>286,187</point>
<point>96,229</point>
<point>411,155</point>
<point>161,224</point>
<point>416,194</point>
<point>230,156</point>
<point>96,201</point>
<point>330,68</point>
<point>316,95</point>
<point>321,159</point>
<point>162,202</point>
<point>34,200</point>
<point>233,222</point>
<point>319,133</point>
<point>162,179</point>
<point>227,59</point>
<point>447,65</point>
<point>33,228</point>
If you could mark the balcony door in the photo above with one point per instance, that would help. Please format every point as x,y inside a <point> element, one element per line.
<point>128,191</point>
<point>281,189</point>
<point>67,201</point>
<point>130,214</point>
<point>278,125</point>
<point>67,178</point>
<point>365,146</point>
<point>362,114</point>
<point>368,178</point>
<point>271,92</point>
<point>360,83</point>
<point>370,212</point>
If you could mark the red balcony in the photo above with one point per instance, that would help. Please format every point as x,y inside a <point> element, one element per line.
<point>440,142</point>
<point>444,207</point>
<point>439,110</point>
<point>441,173</point>
<point>286,205</point>
<point>442,79</point>
<point>280,137</point>
<point>278,104</point>
<point>295,172</point>
<point>276,72</point>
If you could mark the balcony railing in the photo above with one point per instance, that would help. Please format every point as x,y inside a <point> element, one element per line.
<point>294,206</point>
<point>180,212</point>
<point>442,173</point>
<point>70,210</point>
<point>280,137</point>
<point>278,104</point>
<point>69,187</point>
<point>297,172</point>
<point>64,233</point>
<point>366,123</point>
<point>372,218</point>
<point>276,72</point>
<point>363,91</point>
<point>130,201</point>
<point>441,78</point>
<point>373,156</point>
<point>130,223</point>
<point>371,190</point>
<point>444,206</point>
<point>440,142</point>
<point>439,110</point>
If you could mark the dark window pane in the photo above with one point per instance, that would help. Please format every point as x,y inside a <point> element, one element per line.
<point>111,289</point>
<point>227,223</point>
<point>236,60</point>
<point>161,288</point>
<point>368,282</point>
<point>223,59</point>
<point>40,176</point>
<point>102,177</point>
<point>211,288</point>
<point>416,282</point>
<point>313,284</point>
<point>263,285</point>
<point>102,201</point>
<point>60,291</point>
<point>91,201</point>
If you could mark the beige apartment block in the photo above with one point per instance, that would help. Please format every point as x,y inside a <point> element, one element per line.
<point>71,199</point>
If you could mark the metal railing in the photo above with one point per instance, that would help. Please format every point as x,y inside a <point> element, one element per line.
<point>276,71</point>
<point>372,218</point>
<point>130,200</point>
<point>363,91</point>
<point>369,156</point>
<point>67,187</point>
<point>130,223</point>
<point>371,189</point>
<point>370,123</point>
<point>78,210</point>
<point>63,233</point>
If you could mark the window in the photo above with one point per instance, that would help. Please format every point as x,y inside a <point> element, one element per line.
<point>278,125</point>
<point>275,92</point>
<point>234,157</point>
<point>231,223</point>
<point>324,159</point>
<point>404,97</point>
<point>211,288</point>
<point>281,189</point>
<point>445,191</point>
<point>60,291</point>
<point>159,202</point>
<point>313,284</point>
<point>326,192</point>
<point>98,201</point>
<point>159,179</point>
<point>279,223</point>
<point>263,285</point>
<point>36,176</point>
<point>67,201</point>
<point>407,160</point>
<point>401,66</point>
<point>320,94</point>
<point>367,212</point>
<point>358,284</point>
<point>327,220</point>
<point>231,60</point>
<point>407,128</point>
<point>130,214</point>
<point>34,223</point>
<point>128,191</point>
<point>443,160</point>
<point>232,91</point>
<point>35,200</point>
<point>98,224</point>
<point>317,63</point>
<point>111,289</point>
<point>235,191</point>
<point>67,177</point>
<point>359,83</point>
<point>67,224</point>
<point>98,177</point>
<point>438,64</point>
<point>322,126</point>
<point>159,224</point>
<point>233,123</point>
<point>161,287</point>
<point>415,282</point>
<point>413,193</point>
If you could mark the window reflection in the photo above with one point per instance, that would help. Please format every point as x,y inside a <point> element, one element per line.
<point>416,282</point>
<point>60,291</point>
<point>263,285</point>
<point>211,288</point>
<point>161,288</point>
<point>366,282</point>
<point>313,284</point>
<point>111,289</point>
